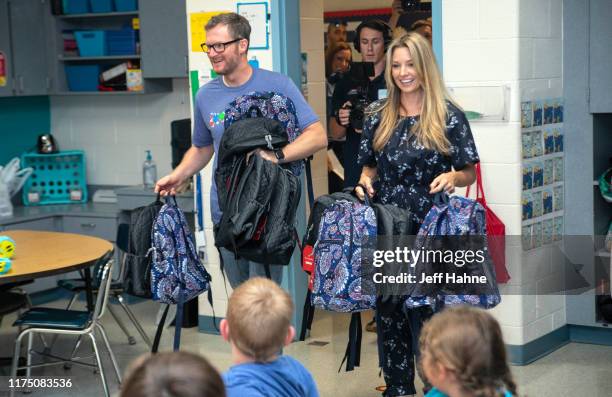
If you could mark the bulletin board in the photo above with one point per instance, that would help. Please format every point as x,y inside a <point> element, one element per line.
<point>257,14</point>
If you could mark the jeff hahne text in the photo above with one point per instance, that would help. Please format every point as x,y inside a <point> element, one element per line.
<point>405,256</point>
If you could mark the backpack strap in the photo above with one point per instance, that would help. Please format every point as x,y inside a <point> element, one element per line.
<point>178,321</point>
<point>352,356</point>
<point>308,310</point>
<point>160,329</point>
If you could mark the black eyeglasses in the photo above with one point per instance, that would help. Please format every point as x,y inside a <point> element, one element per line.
<point>218,47</point>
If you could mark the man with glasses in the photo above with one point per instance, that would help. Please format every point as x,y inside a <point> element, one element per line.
<point>227,43</point>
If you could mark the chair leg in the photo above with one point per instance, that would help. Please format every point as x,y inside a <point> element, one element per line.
<point>29,355</point>
<point>99,363</point>
<point>131,339</point>
<point>16,354</point>
<point>134,320</point>
<point>110,351</point>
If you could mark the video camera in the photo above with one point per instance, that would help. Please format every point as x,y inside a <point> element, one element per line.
<point>360,74</point>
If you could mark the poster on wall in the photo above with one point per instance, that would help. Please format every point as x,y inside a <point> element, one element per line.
<point>198,34</point>
<point>257,15</point>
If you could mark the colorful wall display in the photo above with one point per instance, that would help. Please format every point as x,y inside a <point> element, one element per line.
<point>543,173</point>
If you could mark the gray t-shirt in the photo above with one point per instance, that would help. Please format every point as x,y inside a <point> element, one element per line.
<point>214,97</point>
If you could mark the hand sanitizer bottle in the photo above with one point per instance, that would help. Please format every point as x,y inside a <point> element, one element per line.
<point>149,172</point>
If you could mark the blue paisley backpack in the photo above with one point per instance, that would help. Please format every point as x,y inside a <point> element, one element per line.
<point>345,227</point>
<point>177,275</point>
<point>271,105</point>
<point>463,220</point>
<point>347,230</point>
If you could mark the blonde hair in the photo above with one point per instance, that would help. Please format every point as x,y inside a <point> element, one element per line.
<point>172,374</point>
<point>259,315</point>
<point>430,130</point>
<point>469,343</point>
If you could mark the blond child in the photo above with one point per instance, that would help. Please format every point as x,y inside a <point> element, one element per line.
<point>258,325</point>
<point>172,374</point>
<point>463,355</point>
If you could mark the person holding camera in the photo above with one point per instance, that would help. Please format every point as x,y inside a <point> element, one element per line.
<point>415,143</point>
<point>356,90</point>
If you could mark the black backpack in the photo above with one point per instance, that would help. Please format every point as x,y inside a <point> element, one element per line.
<point>137,280</point>
<point>258,198</point>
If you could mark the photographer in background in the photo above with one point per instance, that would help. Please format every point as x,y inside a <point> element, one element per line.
<point>352,95</point>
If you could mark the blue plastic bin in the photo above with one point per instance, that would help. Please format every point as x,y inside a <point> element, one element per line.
<point>54,176</point>
<point>82,77</point>
<point>126,5</point>
<point>76,6</point>
<point>101,5</point>
<point>91,43</point>
<point>121,42</point>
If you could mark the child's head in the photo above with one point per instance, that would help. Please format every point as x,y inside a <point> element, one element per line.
<point>462,350</point>
<point>172,374</point>
<point>258,320</point>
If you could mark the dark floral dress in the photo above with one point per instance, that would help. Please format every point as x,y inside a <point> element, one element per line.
<point>405,169</point>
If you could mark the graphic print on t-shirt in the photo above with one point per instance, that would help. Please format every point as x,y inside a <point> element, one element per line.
<point>215,119</point>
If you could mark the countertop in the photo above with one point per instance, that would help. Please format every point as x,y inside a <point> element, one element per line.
<point>90,209</point>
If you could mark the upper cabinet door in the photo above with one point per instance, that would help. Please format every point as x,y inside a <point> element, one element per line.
<point>6,82</point>
<point>163,38</point>
<point>601,56</point>
<point>29,46</point>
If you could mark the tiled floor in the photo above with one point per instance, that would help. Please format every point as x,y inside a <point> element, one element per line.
<point>575,369</point>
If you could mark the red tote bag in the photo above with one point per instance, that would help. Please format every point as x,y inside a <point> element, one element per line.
<point>496,232</point>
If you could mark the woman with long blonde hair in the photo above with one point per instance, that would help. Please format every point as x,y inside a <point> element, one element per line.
<point>415,143</point>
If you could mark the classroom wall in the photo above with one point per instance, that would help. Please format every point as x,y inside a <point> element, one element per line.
<point>22,119</point>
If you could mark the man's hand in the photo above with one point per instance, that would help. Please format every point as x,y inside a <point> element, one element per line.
<point>171,185</point>
<point>267,155</point>
<point>344,113</point>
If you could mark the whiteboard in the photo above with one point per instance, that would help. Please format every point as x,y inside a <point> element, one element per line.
<point>257,15</point>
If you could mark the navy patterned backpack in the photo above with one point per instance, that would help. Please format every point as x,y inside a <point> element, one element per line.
<point>347,230</point>
<point>177,275</point>
<point>271,105</point>
<point>344,228</point>
<point>462,219</point>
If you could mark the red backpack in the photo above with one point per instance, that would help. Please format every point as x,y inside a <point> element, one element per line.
<point>496,232</point>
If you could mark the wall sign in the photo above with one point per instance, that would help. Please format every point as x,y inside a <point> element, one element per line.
<point>257,15</point>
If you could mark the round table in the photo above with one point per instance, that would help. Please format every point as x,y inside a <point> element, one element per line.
<point>41,254</point>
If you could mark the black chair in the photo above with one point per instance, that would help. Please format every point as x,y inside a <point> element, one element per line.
<point>43,320</point>
<point>77,286</point>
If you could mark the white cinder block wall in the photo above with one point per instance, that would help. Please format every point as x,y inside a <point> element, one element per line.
<point>515,43</point>
<point>540,75</point>
<point>115,130</point>
<point>311,37</point>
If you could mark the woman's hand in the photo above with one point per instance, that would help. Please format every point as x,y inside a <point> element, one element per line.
<point>444,182</point>
<point>367,183</point>
<point>368,175</point>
